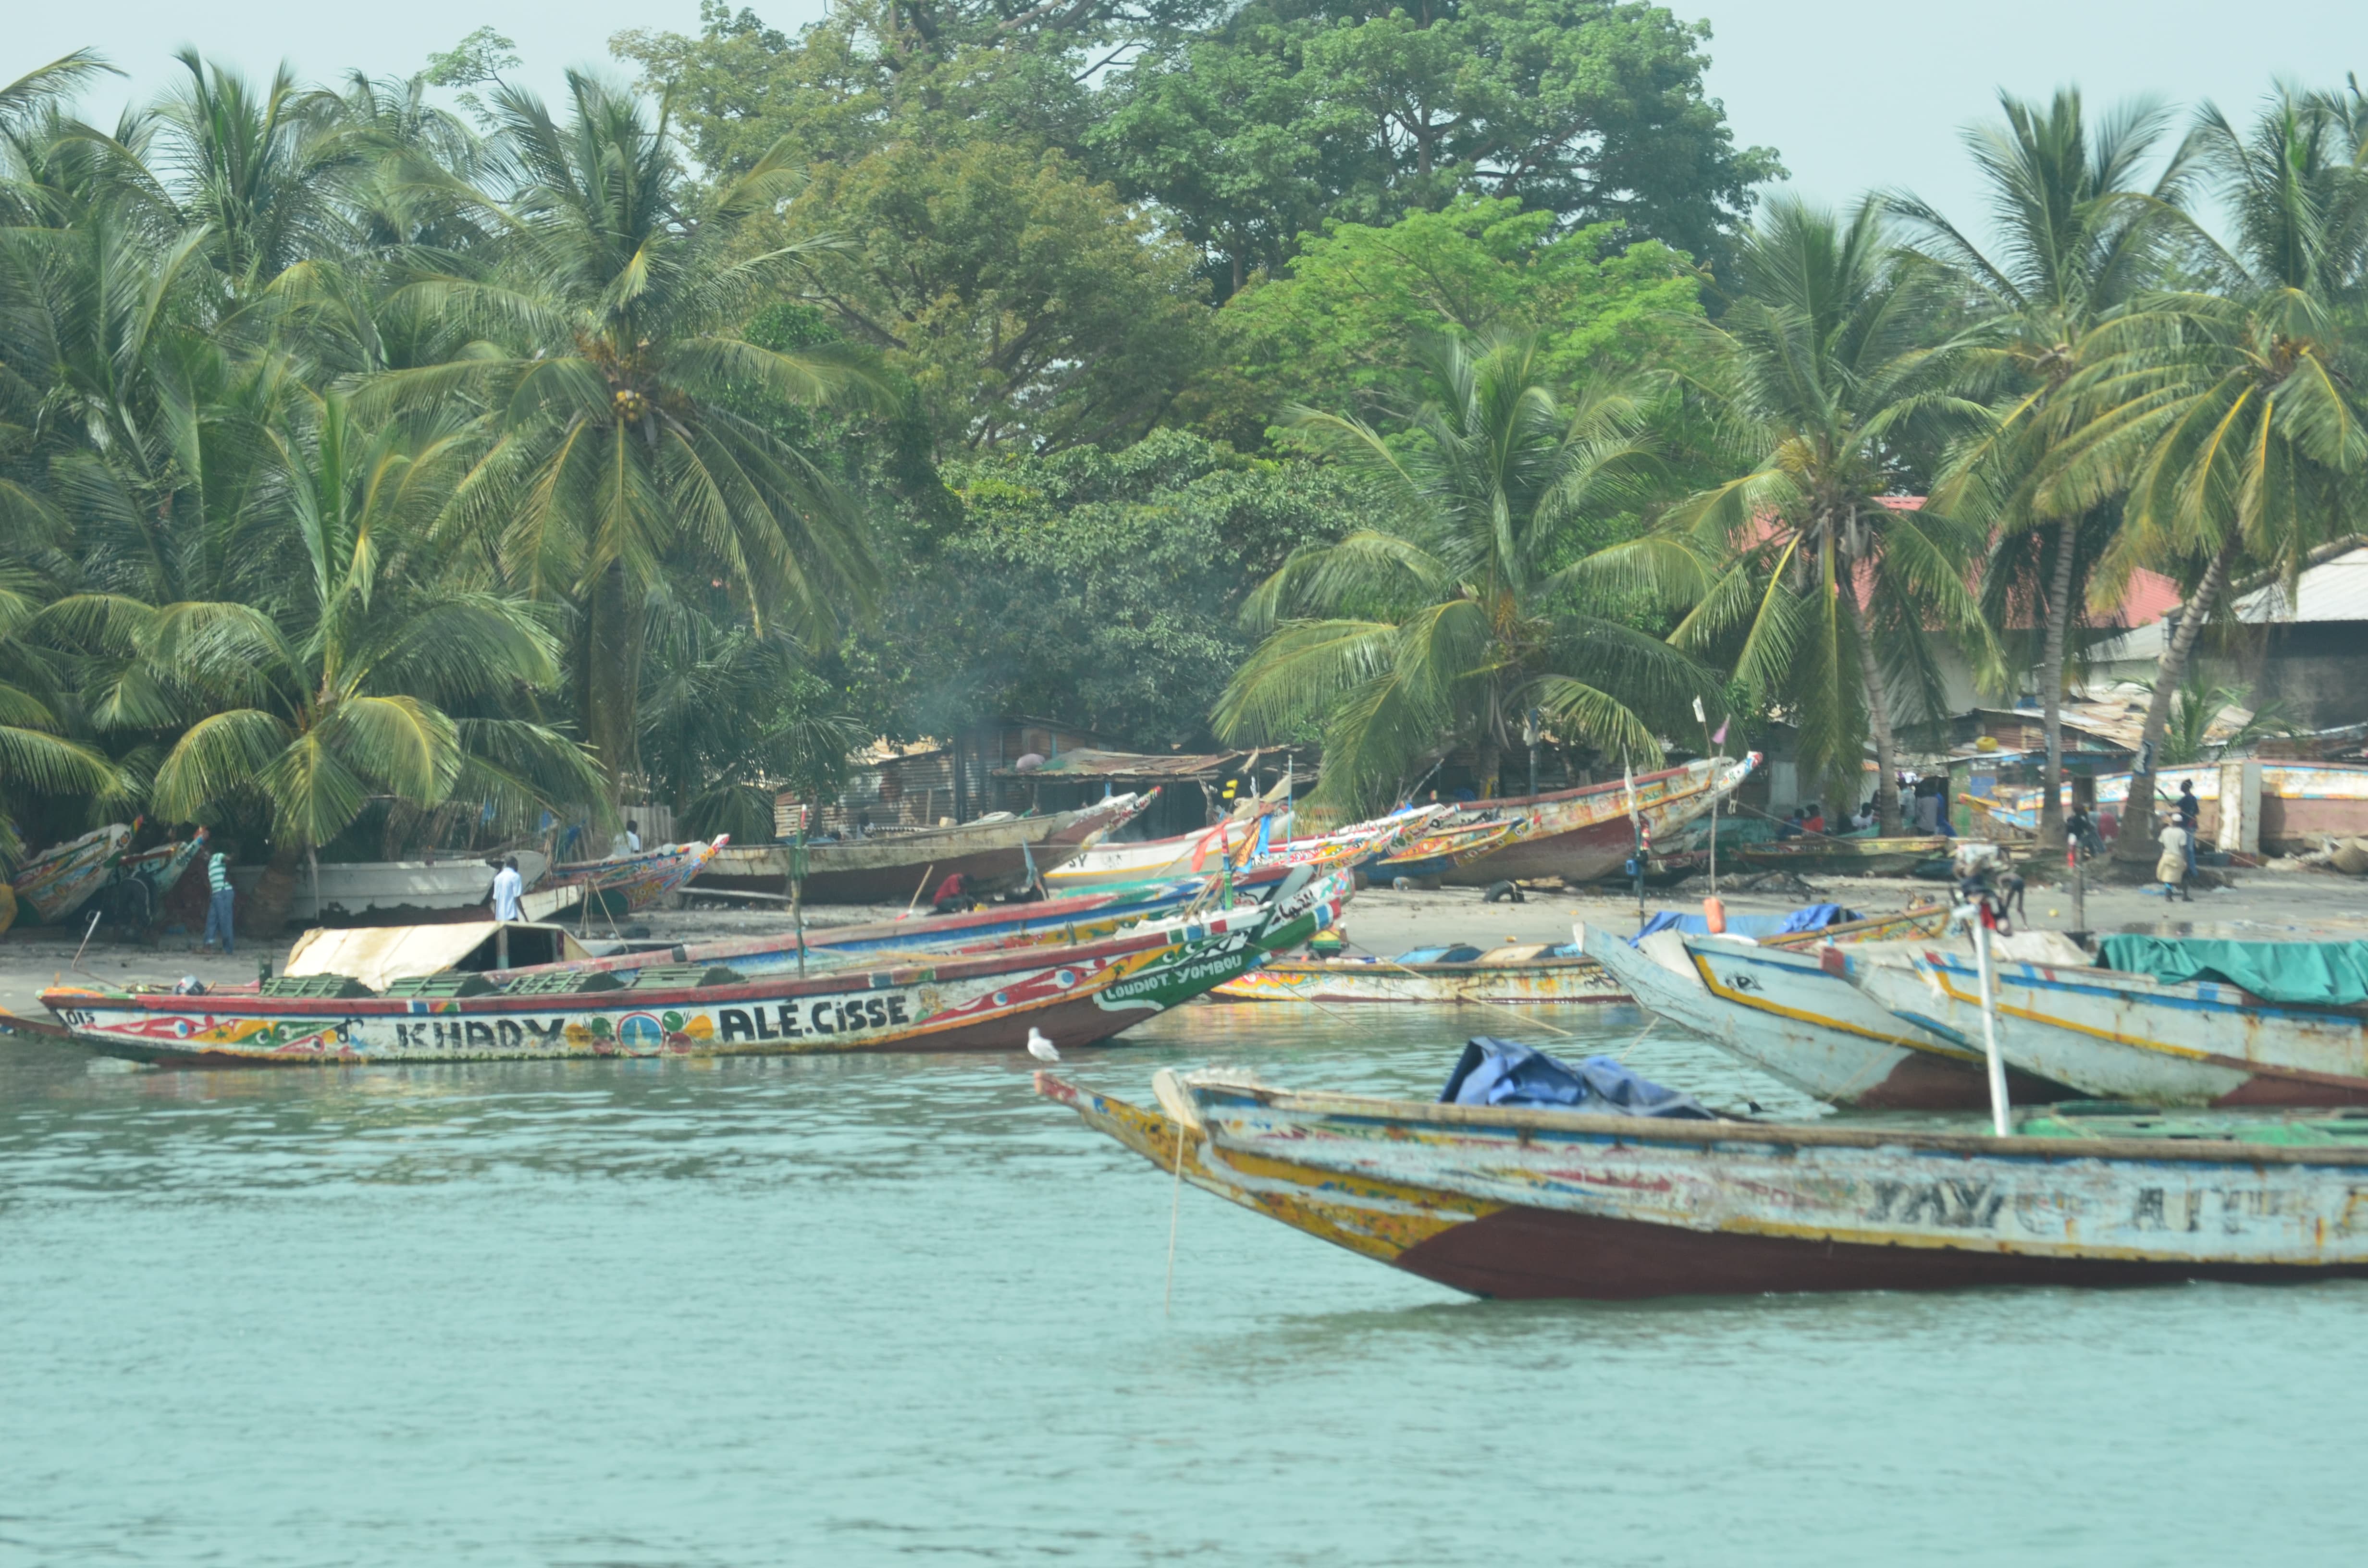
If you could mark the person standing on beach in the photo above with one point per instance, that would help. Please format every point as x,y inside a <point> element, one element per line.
<point>219,900</point>
<point>2177,847</point>
<point>2191,815</point>
<point>508,886</point>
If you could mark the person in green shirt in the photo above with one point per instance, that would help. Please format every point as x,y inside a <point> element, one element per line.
<point>218,904</point>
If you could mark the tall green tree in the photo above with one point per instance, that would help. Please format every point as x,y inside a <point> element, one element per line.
<point>2231,419</point>
<point>2082,233</point>
<point>1480,600</point>
<point>609,358</point>
<point>1830,358</point>
<point>369,672</point>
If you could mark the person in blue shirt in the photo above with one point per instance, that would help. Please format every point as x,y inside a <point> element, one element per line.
<point>219,900</point>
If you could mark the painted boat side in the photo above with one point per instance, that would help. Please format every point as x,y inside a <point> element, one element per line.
<point>1866,856</point>
<point>1534,1204</point>
<point>1584,834</point>
<point>2117,1035</point>
<point>1877,1070</point>
<point>634,881</point>
<point>1077,994</point>
<point>56,882</point>
<point>1601,1206</point>
<point>1321,980</point>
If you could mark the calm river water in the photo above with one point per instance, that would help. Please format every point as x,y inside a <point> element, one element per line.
<point>895,1309</point>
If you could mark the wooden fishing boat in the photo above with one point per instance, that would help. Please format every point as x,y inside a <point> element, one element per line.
<point>1205,851</point>
<point>1584,834</point>
<point>623,883</point>
<point>999,855</point>
<point>1793,1016</point>
<point>2129,1036</point>
<point>1521,1203</point>
<point>392,893</point>
<point>1810,856</point>
<point>162,867</point>
<point>1046,922</point>
<point>1076,995</point>
<point>1440,850</point>
<point>60,879</point>
<point>1522,972</point>
<point>1517,972</point>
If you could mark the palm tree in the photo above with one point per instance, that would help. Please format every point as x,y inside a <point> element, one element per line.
<point>617,387</point>
<point>1831,356</point>
<point>1476,605</point>
<point>366,676</point>
<point>2080,237</point>
<point>2231,419</point>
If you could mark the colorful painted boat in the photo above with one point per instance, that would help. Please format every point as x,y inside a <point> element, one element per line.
<point>1048,922</point>
<point>2126,1037</point>
<point>59,881</point>
<point>997,856</point>
<point>1584,834</point>
<point>1440,850</point>
<point>1076,995</point>
<point>162,867</point>
<point>1202,852</point>
<point>1517,972</point>
<point>1528,973</point>
<point>392,893</point>
<point>625,883</point>
<point>1793,1016</point>
<point>1521,1203</point>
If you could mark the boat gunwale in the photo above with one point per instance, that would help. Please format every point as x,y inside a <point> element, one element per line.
<point>1642,1129</point>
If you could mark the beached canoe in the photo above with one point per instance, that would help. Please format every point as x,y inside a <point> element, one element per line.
<point>2129,1036</point>
<point>1523,1203</point>
<point>997,855</point>
<point>1042,923</point>
<point>1526,972</point>
<point>1845,857</point>
<point>1585,835</point>
<point>1076,995</point>
<point>392,893</point>
<point>1440,850</point>
<point>1793,1016</point>
<point>59,881</point>
<point>1517,972</point>
<point>623,883</point>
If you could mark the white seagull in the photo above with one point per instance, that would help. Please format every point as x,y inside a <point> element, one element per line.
<point>1040,1048</point>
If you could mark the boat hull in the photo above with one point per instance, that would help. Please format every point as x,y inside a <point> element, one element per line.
<point>1531,1204</point>
<point>1076,995</point>
<point>1583,836</point>
<point>1844,856</point>
<point>995,857</point>
<point>390,892</point>
<point>55,884</point>
<point>629,881</point>
<point>1352,980</point>
<point>2124,1037</point>
<point>1783,1014</point>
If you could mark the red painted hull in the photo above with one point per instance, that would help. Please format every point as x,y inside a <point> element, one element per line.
<point>1522,1253</point>
<point>1925,1082</point>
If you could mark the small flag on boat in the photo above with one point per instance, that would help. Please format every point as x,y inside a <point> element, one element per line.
<point>1719,739</point>
<point>1700,717</point>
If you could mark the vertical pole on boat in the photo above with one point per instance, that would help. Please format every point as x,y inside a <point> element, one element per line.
<point>1988,971</point>
<point>1704,720</point>
<point>1635,832</point>
<point>798,888</point>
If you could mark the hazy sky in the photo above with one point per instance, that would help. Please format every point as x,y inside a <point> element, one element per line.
<point>1854,93</point>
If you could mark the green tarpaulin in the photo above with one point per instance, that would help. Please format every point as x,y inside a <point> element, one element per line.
<point>2324,975</point>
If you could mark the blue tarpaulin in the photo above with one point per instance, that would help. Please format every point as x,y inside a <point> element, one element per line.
<point>1808,917</point>
<point>1505,1072</point>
